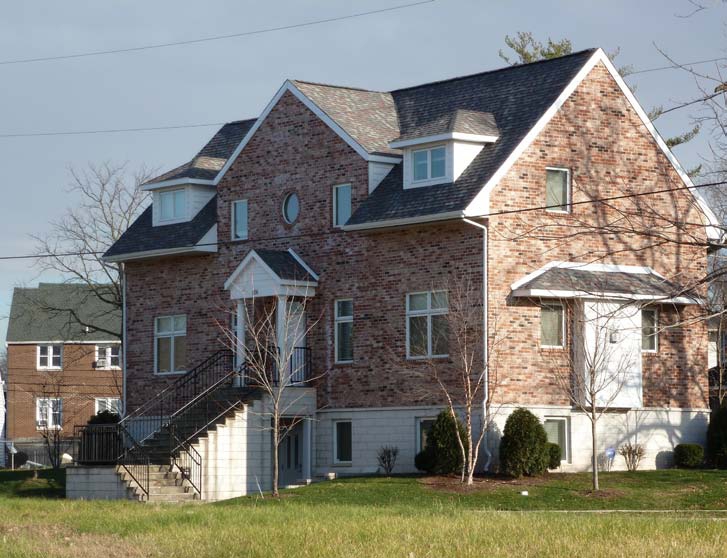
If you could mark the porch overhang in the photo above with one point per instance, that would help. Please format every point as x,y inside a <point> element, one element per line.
<point>264,273</point>
<point>569,280</point>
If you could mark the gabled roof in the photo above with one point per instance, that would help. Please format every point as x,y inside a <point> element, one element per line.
<point>142,236</point>
<point>56,312</point>
<point>286,265</point>
<point>264,273</point>
<point>460,121</point>
<point>212,157</point>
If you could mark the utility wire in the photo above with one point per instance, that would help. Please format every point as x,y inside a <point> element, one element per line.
<point>487,215</point>
<point>210,39</point>
<point>110,130</point>
<point>676,67</point>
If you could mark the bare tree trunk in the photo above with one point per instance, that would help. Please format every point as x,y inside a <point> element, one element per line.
<point>276,454</point>
<point>594,450</point>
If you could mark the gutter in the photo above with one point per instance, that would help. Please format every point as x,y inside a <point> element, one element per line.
<point>122,272</point>
<point>405,221</point>
<point>485,340</point>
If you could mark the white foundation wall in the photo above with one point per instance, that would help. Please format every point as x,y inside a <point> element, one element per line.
<point>95,483</point>
<point>658,430</point>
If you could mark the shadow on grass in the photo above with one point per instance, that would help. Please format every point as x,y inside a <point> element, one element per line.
<point>48,483</point>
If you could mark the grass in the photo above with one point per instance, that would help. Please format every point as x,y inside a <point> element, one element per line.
<point>401,516</point>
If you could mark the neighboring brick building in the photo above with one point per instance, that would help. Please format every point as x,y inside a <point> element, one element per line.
<point>369,204</point>
<point>64,363</point>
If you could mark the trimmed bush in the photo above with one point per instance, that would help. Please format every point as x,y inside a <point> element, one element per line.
<point>555,455</point>
<point>104,417</point>
<point>717,438</point>
<point>524,445</point>
<point>688,456</point>
<point>442,455</point>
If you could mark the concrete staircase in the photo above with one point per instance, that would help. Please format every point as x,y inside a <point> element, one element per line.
<point>165,485</point>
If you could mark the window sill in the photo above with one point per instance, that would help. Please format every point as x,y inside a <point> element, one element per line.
<point>559,211</point>
<point>551,348</point>
<point>343,362</point>
<point>343,464</point>
<point>426,358</point>
<point>48,368</point>
<point>175,373</point>
<point>650,353</point>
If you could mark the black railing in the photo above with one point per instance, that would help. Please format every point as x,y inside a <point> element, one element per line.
<point>99,444</point>
<point>262,367</point>
<point>188,460</point>
<point>137,463</point>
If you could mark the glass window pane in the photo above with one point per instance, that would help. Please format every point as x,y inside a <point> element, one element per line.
<point>556,190</point>
<point>240,219</point>
<point>115,355</point>
<point>344,308</point>
<point>56,412</point>
<point>167,208</point>
<point>345,341</point>
<point>164,325</point>
<point>164,354</point>
<point>648,330</point>
<point>418,301</point>
<point>555,430</point>
<point>440,335</point>
<point>291,208</point>
<point>56,360</point>
<point>418,336</point>
<point>420,163</point>
<point>343,441</point>
<point>180,323</point>
<point>180,199</point>
<point>343,204</point>
<point>438,158</point>
<point>115,406</point>
<point>424,426</point>
<point>43,356</point>
<point>180,353</point>
<point>551,326</point>
<point>440,299</point>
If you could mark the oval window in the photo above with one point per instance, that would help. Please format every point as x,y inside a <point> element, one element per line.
<point>291,207</point>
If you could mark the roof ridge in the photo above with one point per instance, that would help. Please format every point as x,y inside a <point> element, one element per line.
<point>334,86</point>
<point>503,69</point>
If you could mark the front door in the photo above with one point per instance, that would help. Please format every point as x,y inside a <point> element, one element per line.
<point>291,456</point>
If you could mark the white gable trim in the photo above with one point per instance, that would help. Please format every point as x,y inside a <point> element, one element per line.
<point>481,203</point>
<point>459,136</point>
<point>282,286</point>
<point>302,263</point>
<point>594,266</point>
<point>175,182</point>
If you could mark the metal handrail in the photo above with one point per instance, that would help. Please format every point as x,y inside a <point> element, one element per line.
<point>298,366</point>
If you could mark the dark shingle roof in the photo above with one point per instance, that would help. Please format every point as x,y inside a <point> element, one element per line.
<point>517,97</point>
<point>598,282</point>
<point>213,156</point>
<point>459,120</point>
<point>56,312</point>
<point>142,236</point>
<point>285,265</point>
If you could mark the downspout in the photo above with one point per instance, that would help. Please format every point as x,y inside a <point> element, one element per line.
<point>122,272</point>
<point>485,341</point>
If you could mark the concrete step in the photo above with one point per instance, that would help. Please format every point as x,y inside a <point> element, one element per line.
<point>172,498</point>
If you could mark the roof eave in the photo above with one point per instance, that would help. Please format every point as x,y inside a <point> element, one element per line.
<point>567,294</point>
<point>147,254</point>
<point>388,223</point>
<point>450,136</point>
<point>151,186</point>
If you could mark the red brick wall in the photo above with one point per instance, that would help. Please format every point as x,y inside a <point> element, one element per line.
<point>78,384</point>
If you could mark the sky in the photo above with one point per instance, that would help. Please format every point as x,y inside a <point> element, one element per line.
<point>235,78</point>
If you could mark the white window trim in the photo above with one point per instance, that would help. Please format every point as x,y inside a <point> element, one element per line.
<point>340,320</point>
<point>49,409</point>
<point>171,335</point>
<point>656,331</point>
<point>568,191</point>
<point>233,221</point>
<point>288,196</point>
<point>429,179</point>
<point>567,457</point>
<point>563,326</point>
<point>336,224</point>
<point>419,447</point>
<point>429,312</point>
<point>107,400</point>
<point>173,220</point>
<point>107,356</point>
<point>50,356</point>
<point>336,461</point>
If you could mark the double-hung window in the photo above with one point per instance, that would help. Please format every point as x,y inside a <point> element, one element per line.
<point>342,441</point>
<point>173,205</point>
<point>170,342</point>
<point>427,330</point>
<point>239,220</point>
<point>557,190</point>
<point>110,404</point>
<point>50,357</point>
<point>341,204</point>
<point>428,163</point>
<point>48,412</point>
<point>649,330</point>
<point>552,325</point>
<point>344,330</point>
<point>108,356</point>
<point>424,425</point>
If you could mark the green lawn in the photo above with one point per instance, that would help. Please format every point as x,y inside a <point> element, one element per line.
<point>402,516</point>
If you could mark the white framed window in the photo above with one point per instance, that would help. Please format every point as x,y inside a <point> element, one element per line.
<point>649,330</point>
<point>239,220</point>
<point>291,208</point>
<point>108,357</point>
<point>111,404</point>
<point>50,357</point>
<point>341,204</point>
<point>342,441</point>
<point>48,412</point>
<point>344,330</point>
<point>427,330</point>
<point>170,344</point>
<point>557,190</point>
<point>172,205</point>
<point>558,432</point>
<point>428,163</point>
<point>424,425</point>
<point>552,325</point>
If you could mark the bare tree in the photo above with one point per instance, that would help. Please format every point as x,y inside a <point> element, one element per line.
<point>273,362</point>
<point>110,201</point>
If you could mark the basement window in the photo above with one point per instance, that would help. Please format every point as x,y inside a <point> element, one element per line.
<point>342,441</point>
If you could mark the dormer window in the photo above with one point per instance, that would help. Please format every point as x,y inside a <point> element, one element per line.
<point>172,205</point>
<point>428,164</point>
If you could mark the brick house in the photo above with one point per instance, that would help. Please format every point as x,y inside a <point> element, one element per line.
<point>364,206</point>
<point>60,371</point>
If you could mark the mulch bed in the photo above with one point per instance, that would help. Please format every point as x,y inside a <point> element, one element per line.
<point>490,482</point>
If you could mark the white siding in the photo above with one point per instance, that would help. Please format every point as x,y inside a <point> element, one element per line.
<point>377,172</point>
<point>197,197</point>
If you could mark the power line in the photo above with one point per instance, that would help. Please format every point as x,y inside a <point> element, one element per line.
<point>212,38</point>
<point>676,67</point>
<point>110,130</point>
<point>486,215</point>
